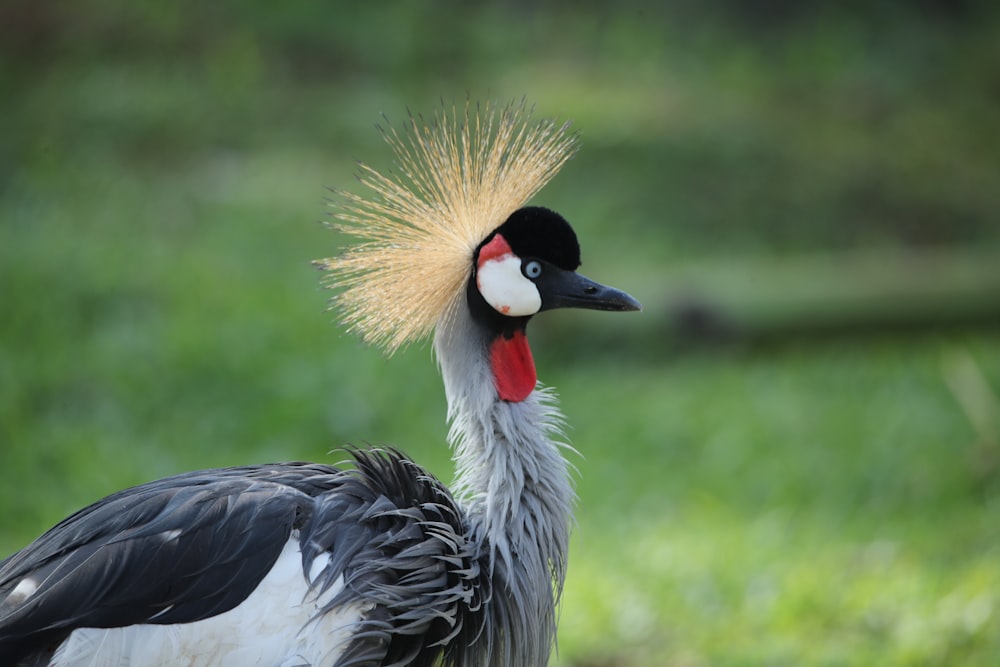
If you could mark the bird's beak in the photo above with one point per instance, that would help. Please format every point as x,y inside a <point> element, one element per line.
<point>568,289</point>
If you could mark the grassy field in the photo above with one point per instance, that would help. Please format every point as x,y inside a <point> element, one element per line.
<point>831,501</point>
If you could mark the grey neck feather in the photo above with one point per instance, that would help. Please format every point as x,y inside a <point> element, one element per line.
<point>514,485</point>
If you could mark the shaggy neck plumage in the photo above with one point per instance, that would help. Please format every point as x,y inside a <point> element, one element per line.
<point>515,487</point>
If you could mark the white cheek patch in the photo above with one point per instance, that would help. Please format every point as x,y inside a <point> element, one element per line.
<point>504,287</point>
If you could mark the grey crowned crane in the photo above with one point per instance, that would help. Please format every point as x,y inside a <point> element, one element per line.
<point>375,563</point>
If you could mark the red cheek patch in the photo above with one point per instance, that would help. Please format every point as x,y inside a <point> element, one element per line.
<point>513,367</point>
<point>495,249</point>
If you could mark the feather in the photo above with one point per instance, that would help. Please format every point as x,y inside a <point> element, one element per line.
<point>460,177</point>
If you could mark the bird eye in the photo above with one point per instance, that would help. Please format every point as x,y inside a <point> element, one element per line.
<point>532,268</point>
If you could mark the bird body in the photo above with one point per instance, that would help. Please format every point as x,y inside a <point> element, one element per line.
<point>250,552</point>
<point>249,634</point>
<point>375,563</point>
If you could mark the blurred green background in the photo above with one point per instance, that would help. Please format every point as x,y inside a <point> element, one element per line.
<point>792,457</point>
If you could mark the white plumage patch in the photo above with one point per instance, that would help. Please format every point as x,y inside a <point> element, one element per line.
<point>504,287</point>
<point>278,624</point>
<point>24,589</point>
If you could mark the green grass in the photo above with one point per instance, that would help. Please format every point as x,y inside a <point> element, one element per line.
<point>817,504</point>
<point>834,502</point>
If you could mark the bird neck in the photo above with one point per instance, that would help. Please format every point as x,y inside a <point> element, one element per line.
<point>512,481</point>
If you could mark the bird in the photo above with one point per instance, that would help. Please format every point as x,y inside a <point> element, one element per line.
<point>374,561</point>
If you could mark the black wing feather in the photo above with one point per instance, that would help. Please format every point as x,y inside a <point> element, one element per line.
<point>188,547</point>
<point>175,550</point>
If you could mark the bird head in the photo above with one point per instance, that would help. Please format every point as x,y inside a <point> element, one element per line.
<point>450,227</point>
<point>528,264</point>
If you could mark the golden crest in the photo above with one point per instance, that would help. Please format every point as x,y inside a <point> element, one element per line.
<point>459,177</point>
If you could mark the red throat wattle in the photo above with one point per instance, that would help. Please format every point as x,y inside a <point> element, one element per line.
<point>513,367</point>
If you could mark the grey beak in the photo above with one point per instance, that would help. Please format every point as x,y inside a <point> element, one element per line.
<point>568,289</point>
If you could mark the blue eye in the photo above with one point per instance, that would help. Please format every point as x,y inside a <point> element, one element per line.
<point>531,269</point>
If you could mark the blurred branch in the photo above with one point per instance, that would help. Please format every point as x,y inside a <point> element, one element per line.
<point>973,393</point>
<point>972,390</point>
<point>816,295</point>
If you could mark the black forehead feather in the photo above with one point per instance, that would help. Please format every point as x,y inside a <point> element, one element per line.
<point>534,231</point>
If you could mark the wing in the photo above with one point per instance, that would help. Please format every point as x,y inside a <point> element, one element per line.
<point>176,550</point>
<point>384,538</point>
<point>396,538</point>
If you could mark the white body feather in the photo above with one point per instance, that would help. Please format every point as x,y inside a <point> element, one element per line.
<point>255,632</point>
